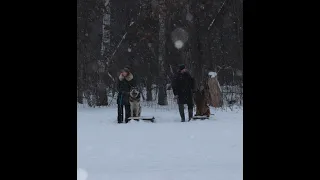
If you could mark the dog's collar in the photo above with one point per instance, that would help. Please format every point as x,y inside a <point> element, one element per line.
<point>138,96</point>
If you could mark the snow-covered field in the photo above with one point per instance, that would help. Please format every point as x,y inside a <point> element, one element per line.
<point>165,150</point>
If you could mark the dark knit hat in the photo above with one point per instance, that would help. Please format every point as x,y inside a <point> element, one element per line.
<point>128,67</point>
<point>126,70</point>
<point>181,67</point>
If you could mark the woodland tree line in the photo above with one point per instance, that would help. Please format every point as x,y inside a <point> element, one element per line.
<point>112,34</point>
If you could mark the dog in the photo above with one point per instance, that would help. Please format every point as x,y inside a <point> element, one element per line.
<point>201,99</point>
<point>134,100</point>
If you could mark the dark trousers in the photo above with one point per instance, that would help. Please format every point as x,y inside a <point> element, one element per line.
<point>181,111</point>
<point>120,113</point>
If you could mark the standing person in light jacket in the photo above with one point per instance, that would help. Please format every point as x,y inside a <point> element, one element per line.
<point>183,88</point>
<point>125,83</point>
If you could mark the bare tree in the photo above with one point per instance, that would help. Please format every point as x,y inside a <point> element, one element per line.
<point>162,96</point>
<point>115,33</point>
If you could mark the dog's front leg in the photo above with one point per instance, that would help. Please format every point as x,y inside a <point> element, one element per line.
<point>136,112</point>
<point>131,110</point>
<point>139,110</point>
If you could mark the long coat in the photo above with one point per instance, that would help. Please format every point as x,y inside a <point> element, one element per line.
<point>183,87</point>
<point>124,86</point>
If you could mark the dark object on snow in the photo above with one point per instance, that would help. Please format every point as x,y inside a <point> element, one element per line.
<point>232,102</point>
<point>183,87</point>
<point>145,118</point>
<point>124,86</point>
<point>200,117</point>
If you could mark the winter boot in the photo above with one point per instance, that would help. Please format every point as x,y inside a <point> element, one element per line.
<point>181,111</point>
<point>190,113</point>
<point>120,118</point>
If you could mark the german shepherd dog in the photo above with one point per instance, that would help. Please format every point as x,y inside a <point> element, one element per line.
<point>134,100</point>
<point>201,101</point>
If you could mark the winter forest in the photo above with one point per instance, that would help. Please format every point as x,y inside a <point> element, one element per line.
<point>153,37</point>
<point>159,89</point>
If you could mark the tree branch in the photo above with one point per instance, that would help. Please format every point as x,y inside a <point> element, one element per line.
<point>216,15</point>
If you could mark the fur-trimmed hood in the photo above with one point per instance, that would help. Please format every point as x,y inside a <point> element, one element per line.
<point>128,78</point>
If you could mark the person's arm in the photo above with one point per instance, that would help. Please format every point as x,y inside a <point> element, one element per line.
<point>119,83</point>
<point>134,82</point>
<point>174,85</point>
<point>192,83</point>
<point>118,86</point>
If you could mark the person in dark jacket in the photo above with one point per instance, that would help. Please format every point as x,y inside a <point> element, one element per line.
<point>125,83</point>
<point>183,87</point>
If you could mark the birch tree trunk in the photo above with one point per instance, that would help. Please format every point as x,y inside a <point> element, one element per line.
<point>105,52</point>
<point>239,14</point>
<point>149,86</point>
<point>162,95</point>
<point>105,46</point>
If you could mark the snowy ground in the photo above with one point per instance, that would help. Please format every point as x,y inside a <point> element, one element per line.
<point>166,150</point>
